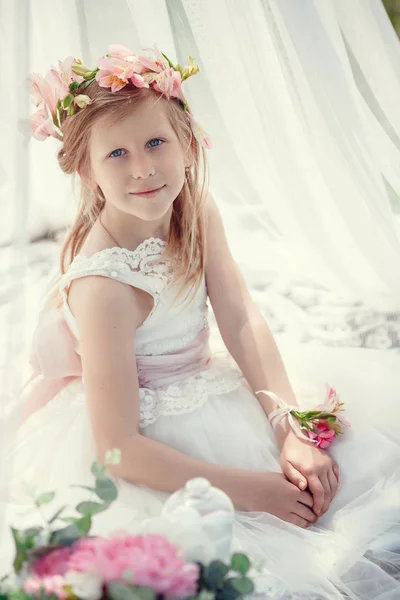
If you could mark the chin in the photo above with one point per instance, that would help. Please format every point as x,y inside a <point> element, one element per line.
<point>154,213</point>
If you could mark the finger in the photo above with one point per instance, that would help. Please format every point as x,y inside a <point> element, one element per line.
<point>333,482</point>
<point>327,491</point>
<point>299,521</point>
<point>307,499</point>
<point>294,476</point>
<point>305,513</point>
<point>318,493</point>
<point>336,470</point>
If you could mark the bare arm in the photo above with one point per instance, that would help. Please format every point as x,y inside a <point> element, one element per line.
<point>108,314</point>
<point>242,327</point>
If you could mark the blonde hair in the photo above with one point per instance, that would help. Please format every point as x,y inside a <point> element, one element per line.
<point>186,240</point>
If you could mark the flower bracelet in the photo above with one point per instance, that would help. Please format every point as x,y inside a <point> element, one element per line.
<point>319,426</point>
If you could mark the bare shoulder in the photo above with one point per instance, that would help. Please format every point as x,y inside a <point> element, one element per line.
<point>101,301</point>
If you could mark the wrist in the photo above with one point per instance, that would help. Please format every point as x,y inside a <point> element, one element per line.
<point>282,430</point>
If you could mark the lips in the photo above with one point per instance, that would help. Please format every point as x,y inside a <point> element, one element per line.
<point>145,192</point>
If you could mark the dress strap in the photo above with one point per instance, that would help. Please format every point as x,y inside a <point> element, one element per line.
<point>133,267</point>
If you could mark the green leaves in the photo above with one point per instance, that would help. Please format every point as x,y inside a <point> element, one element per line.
<point>240,563</point>
<point>67,100</point>
<point>66,536</point>
<point>91,508</point>
<point>238,586</point>
<point>106,490</point>
<point>44,498</point>
<point>74,86</point>
<point>214,578</point>
<point>90,74</point>
<point>24,541</point>
<point>215,574</point>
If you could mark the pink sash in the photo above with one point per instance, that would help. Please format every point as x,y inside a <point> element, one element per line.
<point>56,362</point>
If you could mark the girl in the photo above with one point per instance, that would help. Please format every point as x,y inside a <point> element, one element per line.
<point>122,357</point>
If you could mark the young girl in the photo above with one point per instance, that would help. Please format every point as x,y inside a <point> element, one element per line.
<point>122,358</point>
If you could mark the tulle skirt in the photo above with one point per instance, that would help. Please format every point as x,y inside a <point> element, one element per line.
<point>353,551</point>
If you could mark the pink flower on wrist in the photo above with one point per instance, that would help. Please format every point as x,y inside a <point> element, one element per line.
<point>323,436</point>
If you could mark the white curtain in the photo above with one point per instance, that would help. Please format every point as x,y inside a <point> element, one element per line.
<point>303,114</point>
<point>301,99</point>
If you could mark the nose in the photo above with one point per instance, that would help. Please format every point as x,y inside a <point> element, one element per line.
<point>142,166</point>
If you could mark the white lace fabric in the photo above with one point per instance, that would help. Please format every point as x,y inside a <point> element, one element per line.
<point>169,327</point>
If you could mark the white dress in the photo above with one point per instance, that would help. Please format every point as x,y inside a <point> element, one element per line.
<point>213,415</point>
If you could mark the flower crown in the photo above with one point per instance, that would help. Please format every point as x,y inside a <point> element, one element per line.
<point>60,92</point>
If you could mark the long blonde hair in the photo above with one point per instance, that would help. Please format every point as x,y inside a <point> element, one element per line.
<point>186,244</point>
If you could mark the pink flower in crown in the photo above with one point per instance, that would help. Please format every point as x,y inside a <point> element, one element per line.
<point>42,125</point>
<point>121,53</point>
<point>44,93</point>
<point>323,435</point>
<point>53,584</point>
<point>167,82</point>
<point>158,65</point>
<point>53,563</point>
<point>115,73</point>
<point>62,78</point>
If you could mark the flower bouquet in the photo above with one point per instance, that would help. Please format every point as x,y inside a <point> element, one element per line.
<point>68,563</point>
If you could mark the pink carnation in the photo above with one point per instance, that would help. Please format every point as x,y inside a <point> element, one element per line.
<point>53,563</point>
<point>323,435</point>
<point>151,559</point>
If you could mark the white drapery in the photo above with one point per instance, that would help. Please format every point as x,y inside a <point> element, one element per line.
<point>301,100</point>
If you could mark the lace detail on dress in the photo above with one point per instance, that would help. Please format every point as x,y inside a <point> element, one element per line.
<point>188,394</point>
<point>184,396</point>
<point>120,263</point>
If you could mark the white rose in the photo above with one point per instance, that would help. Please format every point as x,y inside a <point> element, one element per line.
<point>87,586</point>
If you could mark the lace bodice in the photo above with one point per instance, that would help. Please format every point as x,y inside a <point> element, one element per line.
<point>169,327</point>
<point>166,328</point>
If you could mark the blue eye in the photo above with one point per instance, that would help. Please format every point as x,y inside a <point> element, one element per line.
<point>114,155</point>
<point>155,140</point>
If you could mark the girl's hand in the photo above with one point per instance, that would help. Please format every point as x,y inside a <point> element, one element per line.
<point>274,494</point>
<point>305,465</point>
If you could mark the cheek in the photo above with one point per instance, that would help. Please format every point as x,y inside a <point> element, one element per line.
<point>111,176</point>
<point>175,167</point>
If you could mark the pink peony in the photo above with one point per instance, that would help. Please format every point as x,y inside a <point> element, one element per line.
<point>151,559</point>
<point>52,563</point>
<point>323,435</point>
<point>86,554</point>
<point>51,585</point>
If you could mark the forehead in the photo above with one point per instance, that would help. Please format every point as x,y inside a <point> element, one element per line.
<point>143,120</point>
